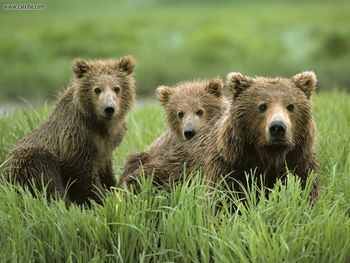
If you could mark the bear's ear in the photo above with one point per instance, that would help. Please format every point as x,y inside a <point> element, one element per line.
<point>216,87</point>
<point>127,64</point>
<point>237,83</point>
<point>306,81</point>
<point>80,67</point>
<point>163,94</point>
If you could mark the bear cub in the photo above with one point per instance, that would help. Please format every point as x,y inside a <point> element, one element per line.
<point>73,148</point>
<point>189,107</point>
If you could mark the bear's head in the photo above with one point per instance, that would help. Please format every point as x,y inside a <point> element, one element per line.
<point>104,88</point>
<point>191,105</point>
<point>272,114</point>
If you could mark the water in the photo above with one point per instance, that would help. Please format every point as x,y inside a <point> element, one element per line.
<point>9,107</point>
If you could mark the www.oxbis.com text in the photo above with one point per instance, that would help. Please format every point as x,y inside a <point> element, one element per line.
<point>14,7</point>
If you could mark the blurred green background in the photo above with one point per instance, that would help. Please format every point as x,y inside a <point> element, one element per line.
<point>173,41</point>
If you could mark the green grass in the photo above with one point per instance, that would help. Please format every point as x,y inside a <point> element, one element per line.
<point>173,42</point>
<point>186,225</point>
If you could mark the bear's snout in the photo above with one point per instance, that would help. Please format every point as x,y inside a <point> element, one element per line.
<point>108,105</point>
<point>109,110</point>
<point>189,131</point>
<point>189,134</point>
<point>278,129</point>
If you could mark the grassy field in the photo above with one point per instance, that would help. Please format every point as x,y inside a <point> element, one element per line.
<point>185,224</point>
<point>173,42</point>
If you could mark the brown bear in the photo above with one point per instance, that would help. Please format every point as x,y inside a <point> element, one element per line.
<point>189,107</point>
<point>73,147</point>
<point>268,127</point>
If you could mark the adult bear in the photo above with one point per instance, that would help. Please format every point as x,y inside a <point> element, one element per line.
<point>267,128</point>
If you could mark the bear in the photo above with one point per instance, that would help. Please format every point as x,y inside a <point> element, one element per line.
<point>72,150</point>
<point>189,107</point>
<point>268,128</point>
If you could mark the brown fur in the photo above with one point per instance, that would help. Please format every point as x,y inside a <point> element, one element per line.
<point>198,102</point>
<point>74,145</point>
<point>238,141</point>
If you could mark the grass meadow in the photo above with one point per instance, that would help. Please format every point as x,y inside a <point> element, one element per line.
<point>174,41</point>
<point>185,225</point>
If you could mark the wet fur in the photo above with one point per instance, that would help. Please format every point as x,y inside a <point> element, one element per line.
<point>187,97</point>
<point>234,144</point>
<point>73,147</point>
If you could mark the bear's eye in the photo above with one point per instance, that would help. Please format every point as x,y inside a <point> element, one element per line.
<point>262,107</point>
<point>97,90</point>
<point>290,107</point>
<point>116,89</point>
<point>199,113</point>
<point>180,114</point>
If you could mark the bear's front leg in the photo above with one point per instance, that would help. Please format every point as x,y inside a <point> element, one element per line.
<point>308,165</point>
<point>107,176</point>
<point>134,162</point>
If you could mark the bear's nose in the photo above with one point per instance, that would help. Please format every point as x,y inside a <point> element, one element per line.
<point>277,129</point>
<point>109,110</point>
<point>189,134</point>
